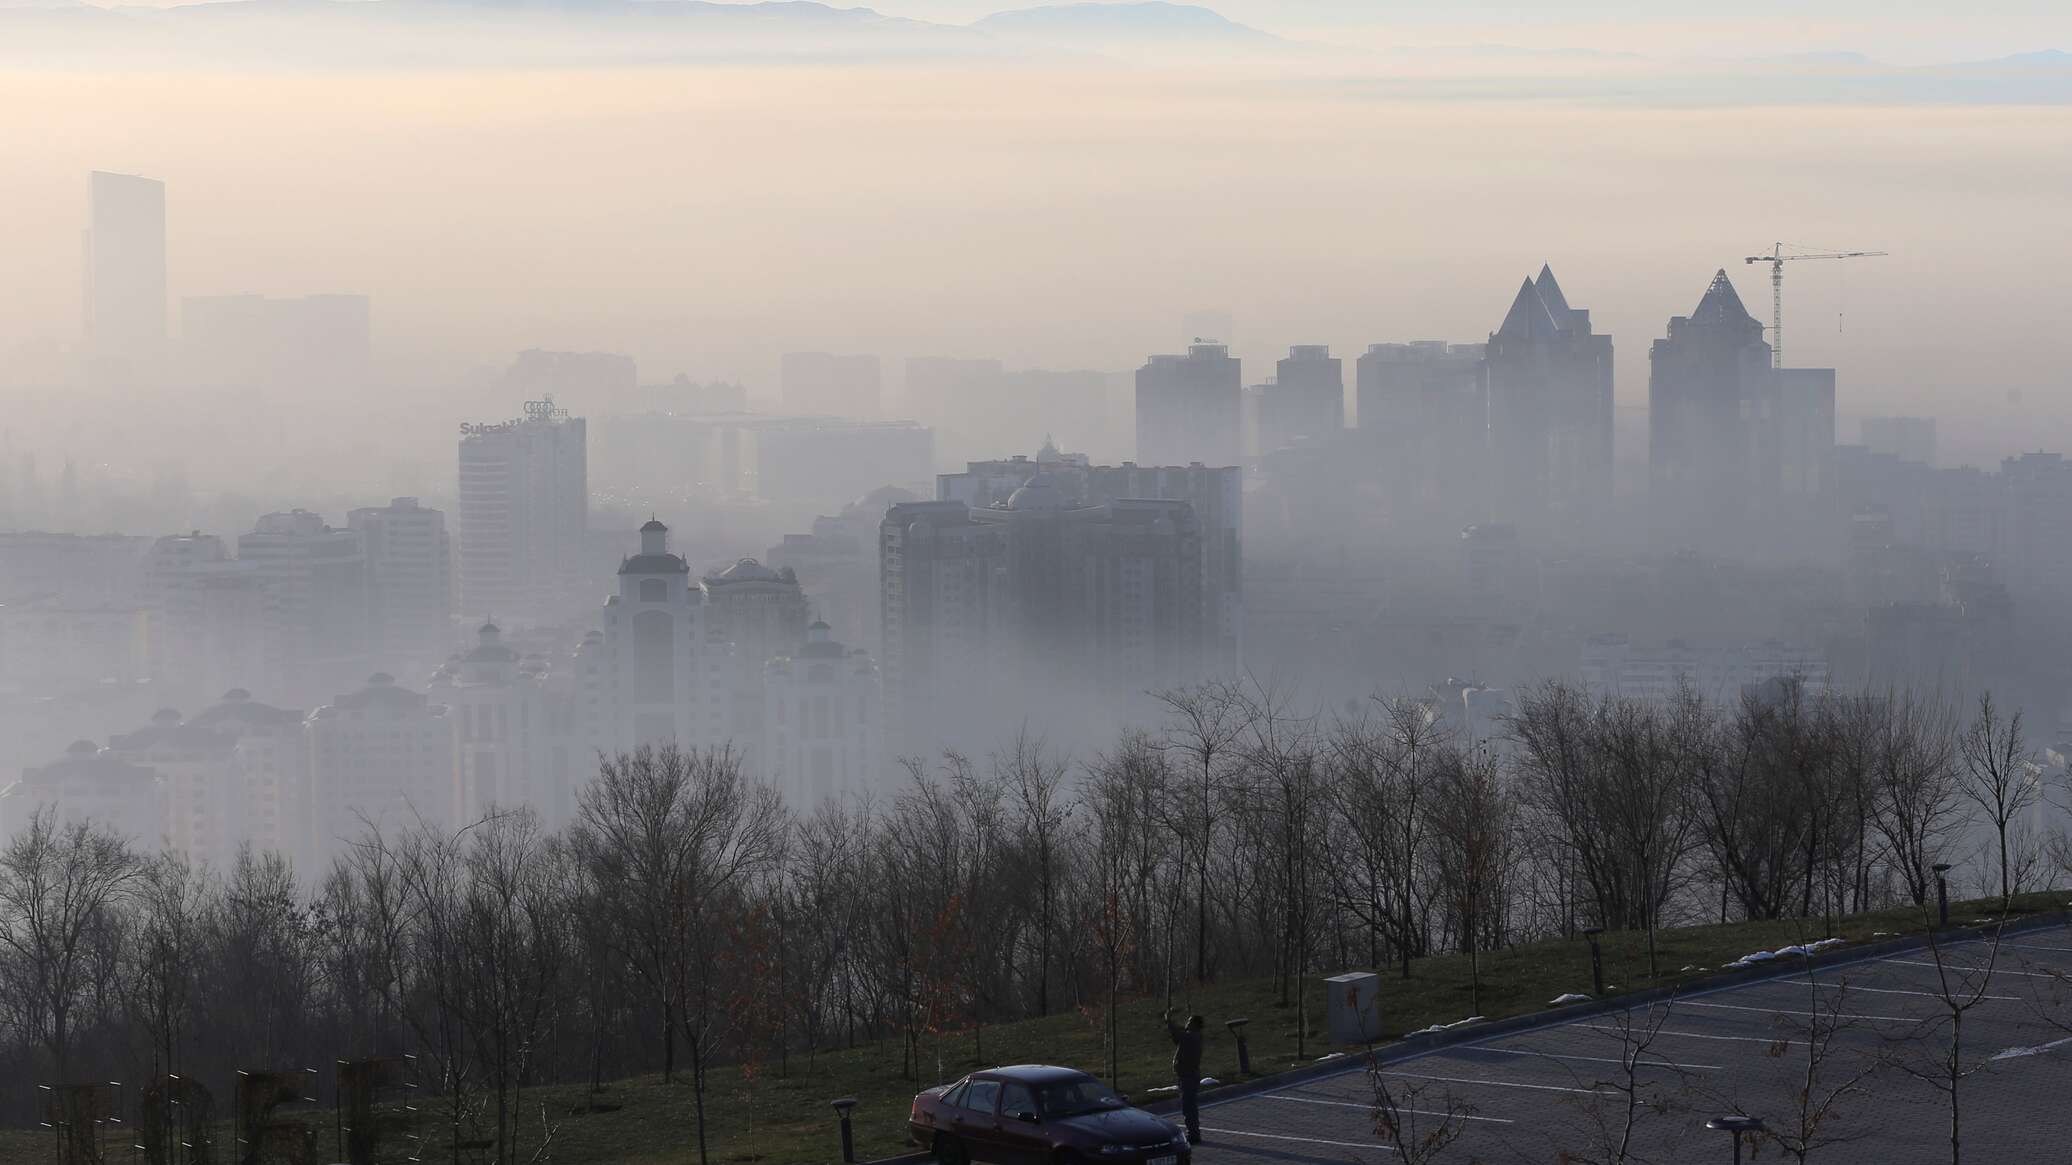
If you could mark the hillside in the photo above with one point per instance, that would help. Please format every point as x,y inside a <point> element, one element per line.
<point>777,1112</point>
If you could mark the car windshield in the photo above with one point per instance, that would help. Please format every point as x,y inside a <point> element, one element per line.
<point>1073,1097</point>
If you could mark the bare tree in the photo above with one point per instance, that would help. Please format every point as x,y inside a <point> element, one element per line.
<point>58,882</point>
<point>1623,1101</point>
<point>1932,1050</point>
<point>1829,1076</point>
<point>166,946</point>
<point>1917,798</point>
<point>1997,775</point>
<point>1410,1120</point>
<point>1205,724</point>
<point>1035,782</point>
<point>1472,822</point>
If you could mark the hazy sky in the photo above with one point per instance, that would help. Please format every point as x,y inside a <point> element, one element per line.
<point>706,219</point>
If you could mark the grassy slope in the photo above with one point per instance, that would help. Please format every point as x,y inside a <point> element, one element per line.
<point>784,1119</point>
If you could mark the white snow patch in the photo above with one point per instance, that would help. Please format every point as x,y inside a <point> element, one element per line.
<point>1330,1056</point>
<point>1802,950</point>
<point>2039,1049</point>
<point>1571,997</point>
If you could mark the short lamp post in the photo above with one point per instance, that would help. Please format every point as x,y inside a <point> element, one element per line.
<point>1596,961</point>
<point>842,1108</point>
<point>1244,1050</point>
<point>1734,1126</point>
<point>1942,892</point>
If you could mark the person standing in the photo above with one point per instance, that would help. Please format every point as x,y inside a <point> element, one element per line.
<point>1187,1070</point>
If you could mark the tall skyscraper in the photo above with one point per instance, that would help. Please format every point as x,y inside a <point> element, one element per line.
<point>1305,400</point>
<point>410,579</point>
<point>524,510</point>
<point>1035,607</point>
<point>1548,380</point>
<point>1190,408</point>
<point>125,273</point>
<point>1731,440</point>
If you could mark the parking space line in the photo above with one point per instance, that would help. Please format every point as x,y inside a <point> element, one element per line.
<point>2038,947</point>
<point>1979,970</point>
<point>1303,1140</point>
<point>1499,1083</point>
<point>1697,1035</point>
<point>1812,1014</point>
<point>1370,1108</point>
<point>1596,1059</point>
<point>1897,991</point>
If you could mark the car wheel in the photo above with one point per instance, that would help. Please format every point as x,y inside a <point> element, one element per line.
<point>1067,1157</point>
<point>950,1151</point>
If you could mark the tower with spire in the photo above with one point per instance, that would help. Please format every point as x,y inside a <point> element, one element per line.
<point>1738,452</point>
<point>1547,378</point>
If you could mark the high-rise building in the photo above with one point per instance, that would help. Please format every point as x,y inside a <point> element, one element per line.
<point>1731,440</point>
<point>516,733</point>
<point>822,731</point>
<point>125,274</point>
<point>1305,400</point>
<point>1423,415</point>
<point>524,512</point>
<point>1190,408</point>
<point>826,385</point>
<point>663,665</point>
<point>317,591</point>
<point>382,753</point>
<point>1035,607</point>
<point>1547,378</point>
<point>410,580</point>
<point>1215,493</point>
<point>89,784</point>
<point>2039,526</point>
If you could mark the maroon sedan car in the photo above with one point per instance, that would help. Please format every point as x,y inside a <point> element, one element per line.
<point>1032,1114</point>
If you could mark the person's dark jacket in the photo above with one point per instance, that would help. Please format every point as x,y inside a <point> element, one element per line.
<point>1186,1050</point>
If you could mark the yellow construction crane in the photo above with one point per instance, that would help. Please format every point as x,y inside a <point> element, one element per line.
<point>1777,259</point>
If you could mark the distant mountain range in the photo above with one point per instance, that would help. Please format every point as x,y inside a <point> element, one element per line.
<point>295,34</point>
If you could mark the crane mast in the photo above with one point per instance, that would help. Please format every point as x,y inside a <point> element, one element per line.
<point>1777,259</point>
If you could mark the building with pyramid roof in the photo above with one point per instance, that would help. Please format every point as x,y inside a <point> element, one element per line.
<point>1739,453</point>
<point>1547,380</point>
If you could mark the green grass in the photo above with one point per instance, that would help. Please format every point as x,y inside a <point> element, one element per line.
<point>782,1117</point>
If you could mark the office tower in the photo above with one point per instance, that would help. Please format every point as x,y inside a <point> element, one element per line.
<point>2039,526</point>
<point>1035,607</point>
<point>1731,440</point>
<point>524,512</point>
<point>125,274</point>
<point>410,580</point>
<point>1907,438</point>
<point>383,753</point>
<point>826,385</point>
<point>1547,378</point>
<point>663,667</point>
<point>1189,408</point>
<point>516,736</point>
<point>1306,399</point>
<point>317,591</point>
<point>1422,412</point>
<point>257,340</point>
<point>1214,493</point>
<point>823,734</point>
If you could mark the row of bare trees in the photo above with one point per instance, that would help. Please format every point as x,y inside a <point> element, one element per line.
<point>690,919</point>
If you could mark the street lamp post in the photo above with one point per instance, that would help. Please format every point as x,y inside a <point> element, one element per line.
<point>1596,961</point>
<point>842,1108</point>
<point>1734,1126</point>
<point>1942,892</point>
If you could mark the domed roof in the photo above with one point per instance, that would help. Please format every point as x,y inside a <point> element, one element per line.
<point>236,696</point>
<point>1039,493</point>
<point>879,500</point>
<point>489,628</point>
<point>81,748</point>
<point>380,679</point>
<point>652,526</point>
<point>166,716</point>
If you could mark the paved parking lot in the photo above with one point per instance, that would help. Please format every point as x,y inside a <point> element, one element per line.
<point>1531,1096</point>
